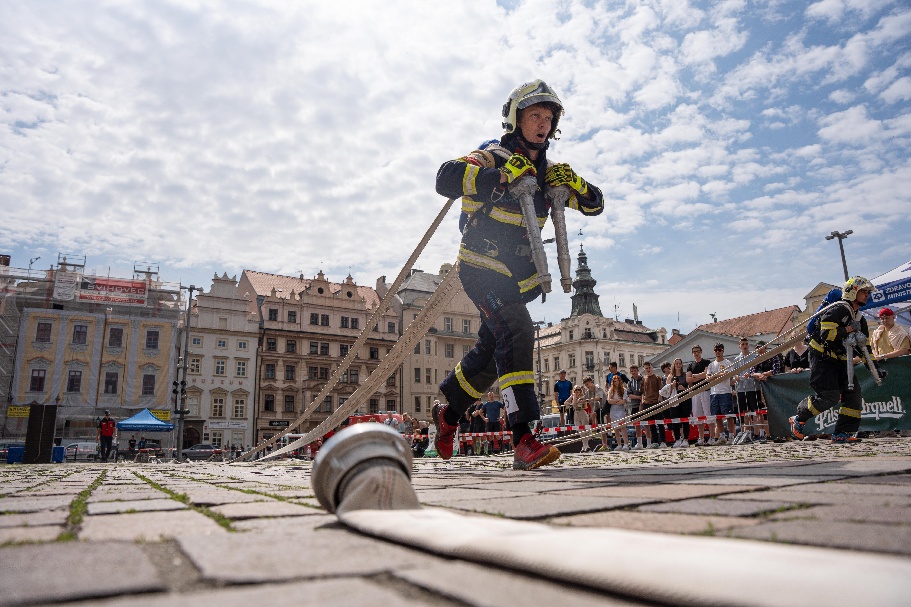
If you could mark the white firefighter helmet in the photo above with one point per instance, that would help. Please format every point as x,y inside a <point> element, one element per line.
<point>527,95</point>
<point>855,284</point>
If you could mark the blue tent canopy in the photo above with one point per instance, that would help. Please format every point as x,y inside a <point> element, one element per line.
<point>144,421</point>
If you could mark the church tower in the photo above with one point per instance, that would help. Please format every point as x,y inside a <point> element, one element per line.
<point>585,300</point>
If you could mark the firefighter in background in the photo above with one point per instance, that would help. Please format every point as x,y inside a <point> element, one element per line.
<point>496,268</point>
<point>828,364</point>
<point>105,435</point>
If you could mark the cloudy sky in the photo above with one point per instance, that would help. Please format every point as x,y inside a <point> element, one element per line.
<point>728,137</point>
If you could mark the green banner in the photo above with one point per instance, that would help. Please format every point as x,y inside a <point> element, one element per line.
<point>884,406</point>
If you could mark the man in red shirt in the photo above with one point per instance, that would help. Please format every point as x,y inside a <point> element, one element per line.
<point>106,434</point>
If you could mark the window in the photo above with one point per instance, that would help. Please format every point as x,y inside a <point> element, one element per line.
<point>556,363</point>
<point>589,360</point>
<point>417,375</point>
<point>355,323</point>
<point>449,350</point>
<point>427,374</point>
<point>607,359</point>
<point>271,344</point>
<point>465,350</point>
<point>43,333</point>
<point>374,405</point>
<point>417,348</point>
<point>341,401</point>
<point>641,360</point>
<point>80,334</point>
<point>220,366</point>
<point>196,341</point>
<point>289,372</point>
<point>37,383</point>
<point>115,337</point>
<point>314,318</point>
<point>324,372</point>
<point>324,320</point>
<point>324,348</point>
<point>218,406</point>
<point>148,385</point>
<point>621,360</point>
<point>354,376</point>
<point>312,372</point>
<point>572,361</point>
<point>242,344</point>
<point>273,313</point>
<point>466,325</point>
<point>289,403</point>
<point>291,346</point>
<point>344,322</point>
<point>546,365</point>
<point>390,405</point>
<point>110,382</point>
<point>427,346</point>
<point>314,347</point>
<point>327,404</point>
<point>221,344</point>
<point>217,437</point>
<point>241,368</point>
<point>343,350</point>
<point>374,353</point>
<point>152,339</point>
<point>195,363</point>
<point>270,371</point>
<point>570,336</point>
<point>240,408</point>
<point>417,404</point>
<point>74,381</point>
<point>390,327</point>
<point>292,316</point>
<point>587,334</point>
<point>390,381</point>
<point>269,402</point>
<point>447,323</point>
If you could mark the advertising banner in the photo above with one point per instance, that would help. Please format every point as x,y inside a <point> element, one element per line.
<point>885,407</point>
<point>65,284</point>
<point>162,414</point>
<point>113,290</point>
<point>14,411</point>
<point>227,425</point>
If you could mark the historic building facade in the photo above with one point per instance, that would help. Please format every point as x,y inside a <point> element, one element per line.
<point>306,327</point>
<point>221,366</point>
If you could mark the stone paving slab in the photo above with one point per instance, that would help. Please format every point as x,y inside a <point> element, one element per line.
<point>46,533</point>
<point>262,509</point>
<point>798,496</point>
<point>850,512</point>
<point>541,506</point>
<point>344,592</point>
<point>656,521</point>
<point>44,517</point>
<point>71,570</point>
<point>287,524</point>
<point>757,480</point>
<point>671,491</point>
<point>868,536</point>
<point>133,505</point>
<point>241,558</point>
<point>728,507</point>
<point>150,526</point>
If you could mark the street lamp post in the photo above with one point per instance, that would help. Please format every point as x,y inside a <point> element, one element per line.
<point>538,324</point>
<point>841,236</point>
<point>181,389</point>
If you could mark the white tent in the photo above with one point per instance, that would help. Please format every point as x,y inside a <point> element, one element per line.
<point>893,291</point>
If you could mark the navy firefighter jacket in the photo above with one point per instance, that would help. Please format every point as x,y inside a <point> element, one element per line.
<point>494,237</point>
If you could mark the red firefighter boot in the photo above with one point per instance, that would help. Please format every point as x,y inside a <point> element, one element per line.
<point>445,436</point>
<point>531,454</point>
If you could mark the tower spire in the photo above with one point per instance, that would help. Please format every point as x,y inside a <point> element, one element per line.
<point>585,300</point>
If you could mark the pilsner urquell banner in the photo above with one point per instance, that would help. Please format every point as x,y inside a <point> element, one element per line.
<point>886,407</point>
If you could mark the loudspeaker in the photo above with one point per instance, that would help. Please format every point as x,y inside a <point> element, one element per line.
<point>39,437</point>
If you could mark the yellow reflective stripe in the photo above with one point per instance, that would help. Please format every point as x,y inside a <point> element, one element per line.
<point>469,179</point>
<point>828,330</point>
<point>514,379</point>
<point>470,205</point>
<point>573,201</point>
<point>463,382</point>
<point>849,412</point>
<point>482,261</point>
<point>513,219</point>
<point>818,347</point>
<point>529,283</point>
<point>810,406</point>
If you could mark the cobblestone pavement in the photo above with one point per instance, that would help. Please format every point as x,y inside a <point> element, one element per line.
<point>213,533</point>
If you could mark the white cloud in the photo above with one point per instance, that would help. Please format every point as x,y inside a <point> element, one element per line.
<point>850,126</point>
<point>900,90</point>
